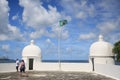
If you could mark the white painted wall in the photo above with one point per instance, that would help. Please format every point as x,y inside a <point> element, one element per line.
<point>46,66</point>
<point>109,70</point>
<point>104,69</point>
<point>98,60</point>
<point>64,67</point>
<point>76,67</point>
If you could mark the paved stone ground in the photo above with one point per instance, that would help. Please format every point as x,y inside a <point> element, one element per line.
<point>35,75</point>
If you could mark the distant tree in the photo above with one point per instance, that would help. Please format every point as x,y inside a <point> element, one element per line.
<point>116,50</point>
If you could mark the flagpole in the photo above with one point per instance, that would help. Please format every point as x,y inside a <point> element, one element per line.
<point>59,52</point>
<point>61,24</point>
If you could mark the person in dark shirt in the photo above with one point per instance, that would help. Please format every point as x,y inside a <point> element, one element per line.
<point>22,66</point>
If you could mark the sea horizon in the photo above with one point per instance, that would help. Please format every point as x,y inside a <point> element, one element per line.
<point>69,61</point>
<point>46,60</point>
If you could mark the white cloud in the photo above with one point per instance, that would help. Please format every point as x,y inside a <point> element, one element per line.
<point>5,47</point>
<point>78,9</point>
<point>110,29</point>
<point>109,5</point>
<point>54,33</point>
<point>48,41</point>
<point>81,15</point>
<point>69,49</point>
<point>114,37</point>
<point>15,33</point>
<point>3,16</point>
<point>12,34</point>
<point>86,36</point>
<point>60,32</point>
<point>106,27</point>
<point>109,26</point>
<point>37,34</point>
<point>107,9</point>
<point>7,31</point>
<point>15,17</point>
<point>3,37</point>
<point>39,16</point>
<point>65,34</point>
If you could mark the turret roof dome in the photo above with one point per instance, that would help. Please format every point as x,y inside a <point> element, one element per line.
<point>101,48</point>
<point>31,50</point>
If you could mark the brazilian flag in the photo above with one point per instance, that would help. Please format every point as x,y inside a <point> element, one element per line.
<point>62,22</point>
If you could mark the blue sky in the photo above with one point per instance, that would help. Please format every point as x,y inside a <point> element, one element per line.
<point>24,20</point>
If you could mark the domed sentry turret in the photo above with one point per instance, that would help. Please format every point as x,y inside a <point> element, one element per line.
<point>31,50</point>
<point>101,52</point>
<point>31,54</point>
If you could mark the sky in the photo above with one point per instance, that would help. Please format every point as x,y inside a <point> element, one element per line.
<point>24,20</point>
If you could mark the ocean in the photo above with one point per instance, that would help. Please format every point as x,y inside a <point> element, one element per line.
<point>54,61</point>
<point>68,61</point>
<point>7,61</point>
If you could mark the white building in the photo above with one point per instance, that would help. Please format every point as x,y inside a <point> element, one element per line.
<point>101,52</point>
<point>31,54</point>
<point>100,55</point>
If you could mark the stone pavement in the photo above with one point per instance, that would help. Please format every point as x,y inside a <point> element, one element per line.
<point>37,75</point>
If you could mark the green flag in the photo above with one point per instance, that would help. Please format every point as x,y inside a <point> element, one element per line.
<point>62,22</point>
